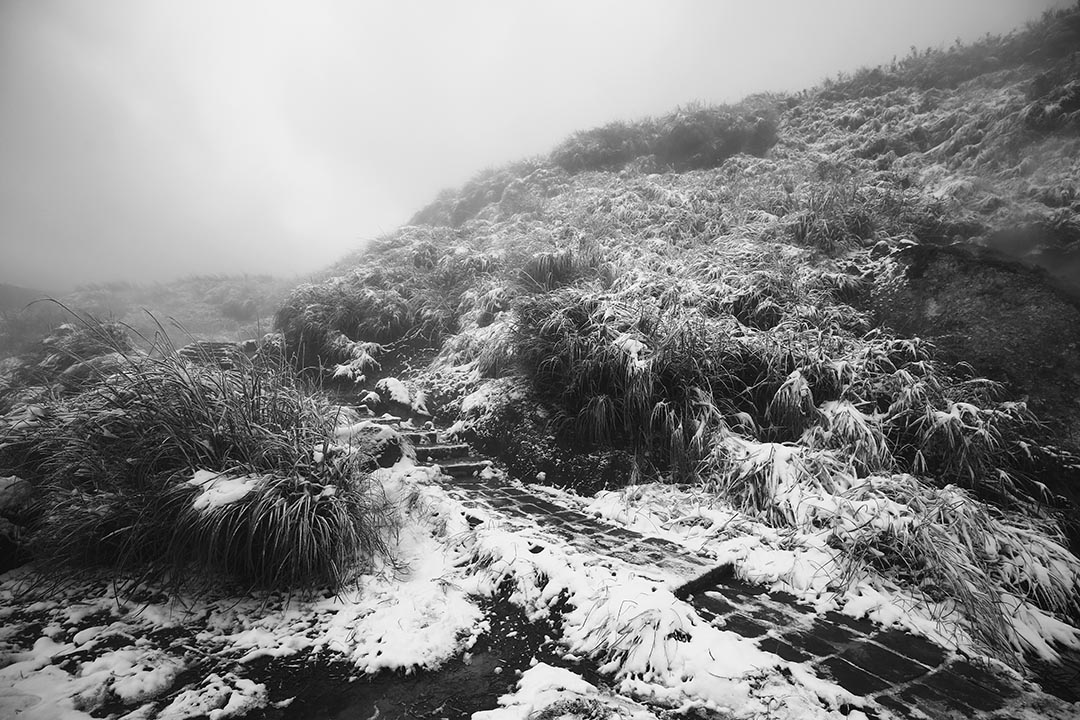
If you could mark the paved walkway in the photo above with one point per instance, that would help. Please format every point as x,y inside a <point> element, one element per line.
<point>904,673</point>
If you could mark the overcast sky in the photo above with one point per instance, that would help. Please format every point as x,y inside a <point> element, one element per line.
<point>151,139</point>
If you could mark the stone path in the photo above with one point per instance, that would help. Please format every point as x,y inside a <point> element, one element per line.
<point>906,674</point>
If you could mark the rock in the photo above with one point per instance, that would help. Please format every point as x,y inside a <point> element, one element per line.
<point>393,390</point>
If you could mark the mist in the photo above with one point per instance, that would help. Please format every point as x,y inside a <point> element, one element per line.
<point>145,140</point>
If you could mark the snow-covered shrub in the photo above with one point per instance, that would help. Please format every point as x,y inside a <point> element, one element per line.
<point>1003,573</point>
<point>690,138</point>
<point>112,466</point>
<point>623,371</point>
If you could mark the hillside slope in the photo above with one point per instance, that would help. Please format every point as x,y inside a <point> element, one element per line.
<point>828,308</point>
<point>207,307</point>
<point>954,162</point>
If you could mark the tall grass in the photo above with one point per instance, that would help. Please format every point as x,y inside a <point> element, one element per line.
<point>115,468</point>
<point>972,562</point>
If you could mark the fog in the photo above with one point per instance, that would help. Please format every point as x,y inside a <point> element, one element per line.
<point>150,139</point>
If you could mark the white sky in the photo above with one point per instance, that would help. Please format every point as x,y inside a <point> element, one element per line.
<point>151,139</point>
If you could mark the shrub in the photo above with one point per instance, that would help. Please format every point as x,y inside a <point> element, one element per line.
<point>629,372</point>
<point>833,217</point>
<point>547,270</point>
<point>996,569</point>
<point>1053,36</point>
<point>693,138</point>
<point>415,290</point>
<point>121,467</point>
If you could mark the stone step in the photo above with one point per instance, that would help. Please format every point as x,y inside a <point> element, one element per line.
<point>463,467</point>
<point>421,437</point>
<point>427,453</point>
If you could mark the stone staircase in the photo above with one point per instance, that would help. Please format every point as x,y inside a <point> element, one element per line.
<point>431,445</point>
<point>455,459</point>
<point>225,355</point>
<point>904,675</point>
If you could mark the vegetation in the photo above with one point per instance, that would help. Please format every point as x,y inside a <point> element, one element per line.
<point>1053,37</point>
<point>702,293</point>
<point>696,298</point>
<point>164,468</point>
<point>693,138</point>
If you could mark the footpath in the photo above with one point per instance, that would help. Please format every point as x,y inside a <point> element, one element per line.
<point>906,674</point>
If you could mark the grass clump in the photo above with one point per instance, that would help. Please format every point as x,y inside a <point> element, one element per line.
<point>629,372</point>
<point>166,468</point>
<point>1006,576</point>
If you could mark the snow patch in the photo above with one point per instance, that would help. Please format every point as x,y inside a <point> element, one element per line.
<point>219,489</point>
<point>393,390</point>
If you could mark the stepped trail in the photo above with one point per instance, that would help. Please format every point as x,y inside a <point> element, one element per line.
<point>898,670</point>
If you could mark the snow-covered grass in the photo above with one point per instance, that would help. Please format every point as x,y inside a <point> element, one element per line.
<point>68,651</point>
<point>158,466</point>
<point>655,647</point>
<point>936,562</point>
<point>551,692</point>
<point>73,651</point>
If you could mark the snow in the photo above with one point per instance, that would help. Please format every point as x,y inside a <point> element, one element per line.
<point>633,348</point>
<point>424,609</point>
<point>350,371</point>
<point>476,400</point>
<point>375,433</point>
<point>544,687</point>
<point>403,616</point>
<point>653,645</point>
<point>393,390</point>
<point>419,403</point>
<point>799,563</point>
<point>132,675</point>
<point>218,697</point>
<point>219,489</point>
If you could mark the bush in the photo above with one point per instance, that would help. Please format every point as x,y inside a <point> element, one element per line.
<point>999,570</point>
<point>167,467</point>
<point>412,290</point>
<point>694,138</point>
<point>629,373</point>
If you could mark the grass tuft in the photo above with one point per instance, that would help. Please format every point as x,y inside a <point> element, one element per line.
<point>114,466</point>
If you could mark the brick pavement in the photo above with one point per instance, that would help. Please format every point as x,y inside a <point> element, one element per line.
<point>906,675</point>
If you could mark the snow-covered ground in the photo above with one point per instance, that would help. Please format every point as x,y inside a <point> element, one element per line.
<point>75,650</point>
